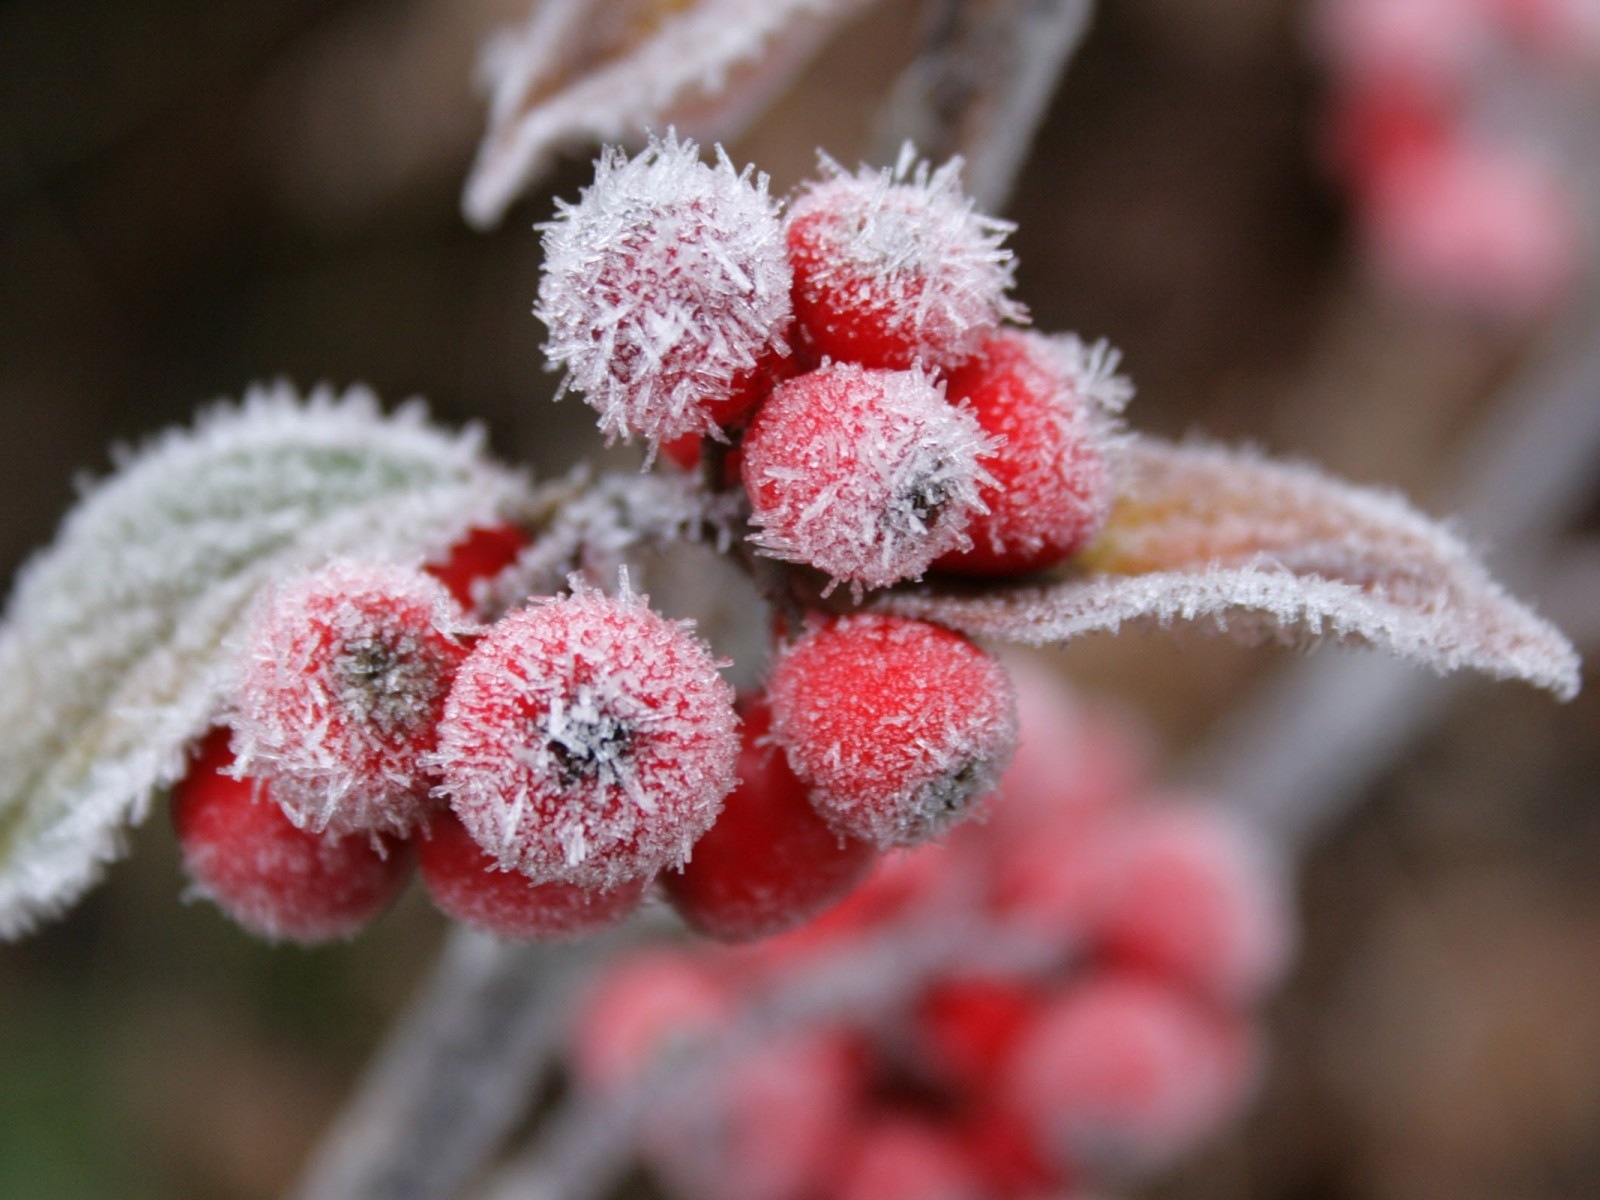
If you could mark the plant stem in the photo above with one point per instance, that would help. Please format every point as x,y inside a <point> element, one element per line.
<point>455,1076</point>
<point>980,84</point>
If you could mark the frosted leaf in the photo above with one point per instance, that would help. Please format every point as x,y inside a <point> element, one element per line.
<point>588,740</point>
<point>341,684</point>
<point>112,647</point>
<point>1271,551</point>
<point>894,268</point>
<point>665,288</point>
<point>587,71</point>
<point>865,475</point>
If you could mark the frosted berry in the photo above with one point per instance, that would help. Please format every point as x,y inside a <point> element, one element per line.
<point>481,554</point>
<point>340,689</point>
<point>965,1026</point>
<point>1196,898</point>
<point>901,1158</point>
<point>1045,403</point>
<point>894,268</point>
<point>645,1009</point>
<point>897,726</point>
<point>665,290</point>
<point>1123,1075</point>
<point>866,475</point>
<point>770,862</point>
<point>588,740</point>
<point>277,881</point>
<point>467,884</point>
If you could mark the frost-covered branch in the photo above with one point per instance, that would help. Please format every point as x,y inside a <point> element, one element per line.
<point>456,1075</point>
<point>980,84</point>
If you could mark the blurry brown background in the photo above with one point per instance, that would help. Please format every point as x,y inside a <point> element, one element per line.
<point>197,194</point>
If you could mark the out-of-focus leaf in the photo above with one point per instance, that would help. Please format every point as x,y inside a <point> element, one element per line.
<point>587,71</point>
<point>113,649</point>
<point>1270,551</point>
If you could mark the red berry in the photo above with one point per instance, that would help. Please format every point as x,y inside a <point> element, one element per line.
<point>665,290</point>
<point>897,726</point>
<point>866,475</point>
<point>588,740</point>
<point>1194,896</point>
<point>644,1008</point>
<point>900,1158</point>
<point>341,686</point>
<point>469,885</point>
<point>277,881</point>
<point>966,1026</point>
<point>769,1127</point>
<point>1123,1074</point>
<point>894,268</point>
<point>480,555</point>
<point>1046,404</point>
<point>770,862</point>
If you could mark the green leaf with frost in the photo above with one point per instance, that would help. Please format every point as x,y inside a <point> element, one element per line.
<point>114,647</point>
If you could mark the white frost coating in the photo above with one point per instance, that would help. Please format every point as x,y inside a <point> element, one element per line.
<point>905,245</point>
<point>662,286</point>
<point>1274,551</point>
<point>341,682</point>
<point>588,740</point>
<point>112,647</point>
<point>866,475</point>
<point>586,71</point>
<point>606,522</point>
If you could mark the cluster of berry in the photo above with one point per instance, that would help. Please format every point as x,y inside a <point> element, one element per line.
<point>1107,1059</point>
<point>555,762</point>
<point>1456,206</point>
<point>848,359</point>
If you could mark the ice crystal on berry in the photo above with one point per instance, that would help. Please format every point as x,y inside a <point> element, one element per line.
<point>894,267</point>
<point>897,726</point>
<point>588,740</point>
<point>341,684</point>
<point>665,287</point>
<point>866,475</point>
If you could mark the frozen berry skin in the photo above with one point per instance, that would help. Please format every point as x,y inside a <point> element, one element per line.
<point>277,881</point>
<point>466,883</point>
<point>770,862</point>
<point>340,688</point>
<point>665,290</point>
<point>1123,1075</point>
<point>894,268</point>
<point>964,1027</point>
<point>1045,403</point>
<point>588,740</point>
<point>866,475</point>
<point>897,726</point>
<point>1197,898</point>
<point>481,554</point>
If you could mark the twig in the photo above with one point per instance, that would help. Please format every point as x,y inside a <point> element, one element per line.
<point>980,84</point>
<point>1298,755</point>
<point>455,1076</point>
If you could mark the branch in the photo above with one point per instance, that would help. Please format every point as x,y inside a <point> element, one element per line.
<point>455,1076</point>
<point>980,84</point>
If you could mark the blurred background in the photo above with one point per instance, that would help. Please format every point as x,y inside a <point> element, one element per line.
<point>196,195</point>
